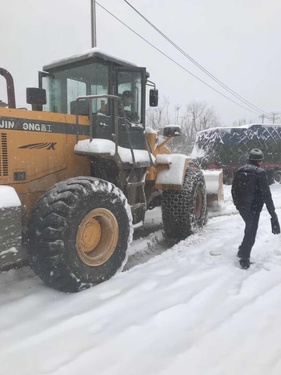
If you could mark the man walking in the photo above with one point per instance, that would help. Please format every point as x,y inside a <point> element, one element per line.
<point>250,190</point>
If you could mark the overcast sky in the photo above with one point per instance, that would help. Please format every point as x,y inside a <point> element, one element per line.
<point>238,41</point>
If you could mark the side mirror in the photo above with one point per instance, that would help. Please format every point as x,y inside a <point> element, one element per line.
<point>153,98</point>
<point>172,131</point>
<point>36,97</point>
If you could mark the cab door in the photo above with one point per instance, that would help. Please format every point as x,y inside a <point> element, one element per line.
<point>131,80</point>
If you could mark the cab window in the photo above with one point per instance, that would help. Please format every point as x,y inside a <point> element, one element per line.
<point>129,85</point>
<point>63,87</point>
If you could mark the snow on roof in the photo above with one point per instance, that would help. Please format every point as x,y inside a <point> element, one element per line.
<point>91,53</point>
<point>105,146</point>
<point>197,152</point>
<point>246,126</point>
<point>8,197</point>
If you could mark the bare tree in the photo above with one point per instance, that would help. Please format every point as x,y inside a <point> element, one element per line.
<point>196,117</point>
<point>159,117</point>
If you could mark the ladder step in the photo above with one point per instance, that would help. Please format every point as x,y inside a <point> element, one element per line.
<point>131,184</point>
<point>137,205</point>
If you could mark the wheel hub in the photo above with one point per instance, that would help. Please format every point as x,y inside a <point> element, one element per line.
<point>97,237</point>
<point>90,235</point>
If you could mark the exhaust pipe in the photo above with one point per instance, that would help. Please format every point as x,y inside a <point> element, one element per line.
<point>10,88</point>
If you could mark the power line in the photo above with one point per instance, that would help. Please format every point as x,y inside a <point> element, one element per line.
<point>171,59</point>
<point>196,63</point>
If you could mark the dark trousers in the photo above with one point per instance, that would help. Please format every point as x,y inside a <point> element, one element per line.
<point>251,219</point>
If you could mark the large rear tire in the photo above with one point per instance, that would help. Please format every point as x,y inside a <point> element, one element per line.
<point>186,210</point>
<point>79,233</point>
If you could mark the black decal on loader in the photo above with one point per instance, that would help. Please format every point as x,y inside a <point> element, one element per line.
<point>47,146</point>
<point>51,146</point>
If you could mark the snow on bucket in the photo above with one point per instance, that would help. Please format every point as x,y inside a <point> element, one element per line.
<point>214,185</point>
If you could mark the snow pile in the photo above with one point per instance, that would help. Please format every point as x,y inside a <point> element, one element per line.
<point>190,309</point>
<point>8,197</point>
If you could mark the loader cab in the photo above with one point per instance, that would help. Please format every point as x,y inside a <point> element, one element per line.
<point>96,73</point>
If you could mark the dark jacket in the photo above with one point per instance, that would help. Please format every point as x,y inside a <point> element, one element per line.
<point>250,189</point>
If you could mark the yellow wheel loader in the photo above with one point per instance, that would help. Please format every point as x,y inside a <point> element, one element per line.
<point>79,169</point>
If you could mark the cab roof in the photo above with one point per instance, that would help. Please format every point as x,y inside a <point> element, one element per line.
<point>92,54</point>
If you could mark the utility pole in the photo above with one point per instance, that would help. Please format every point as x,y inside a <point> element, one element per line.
<point>275,117</point>
<point>177,114</point>
<point>93,23</point>
<point>262,118</point>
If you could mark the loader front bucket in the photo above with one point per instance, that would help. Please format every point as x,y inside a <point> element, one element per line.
<point>11,251</point>
<point>214,186</point>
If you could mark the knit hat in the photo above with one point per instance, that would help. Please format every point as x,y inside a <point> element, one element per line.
<point>256,154</point>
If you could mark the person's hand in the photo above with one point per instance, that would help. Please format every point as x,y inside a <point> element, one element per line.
<point>135,117</point>
<point>275,226</point>
<point>132,116</point>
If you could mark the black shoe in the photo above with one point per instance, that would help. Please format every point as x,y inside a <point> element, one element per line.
<point>244,263</point>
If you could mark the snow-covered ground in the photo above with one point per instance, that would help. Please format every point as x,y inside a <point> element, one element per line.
<point>189,310</point>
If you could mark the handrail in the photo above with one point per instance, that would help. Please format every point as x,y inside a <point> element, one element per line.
<point>90,98</point>
<point>115,98</point>
<point>130,141</point>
